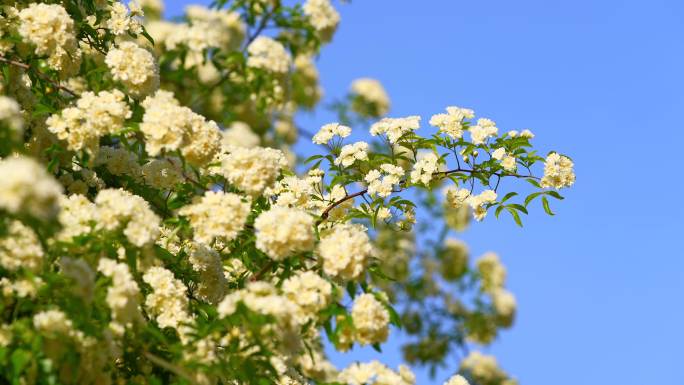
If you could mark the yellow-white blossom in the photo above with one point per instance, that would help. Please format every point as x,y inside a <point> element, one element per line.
<point>252,170</point>
<point>425,168</point>
<point>371,320</point>
<point>134,67</point>
<point>20,248</point>
<point>268,54</point>
<point>119,208</point>
<point>484,129</point>
<point>50,29</point>
<point>395,128</point>
<point>381,182</point>
<point>492,272</point>
<point>217,215</point>
<point>372,92</point>
<point>27,188</point>
<point>344,250</point>
<point>457,380</point>
<point>309,291</point>
<point>558,171</point>
<point>283,231</point>
<point>451,123</point>
<point>350,153</point>
<point>322,16</point>
<point>329,131</point>
<point>94,115</point>
<point>168,302</point>
<point>123,295</point>
<point>169,126</point>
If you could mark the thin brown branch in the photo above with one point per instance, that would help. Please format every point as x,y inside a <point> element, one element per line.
<point>170,367</point>
<point>326,212</point>
<point>268,266</point>
<point>39,74</point>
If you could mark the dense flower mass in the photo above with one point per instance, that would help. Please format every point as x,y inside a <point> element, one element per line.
<point>252,170</point>
<point>50,29</point>
<point>94,116</point>
<point>558,171</point>
<point>268,54</point>
<point>217,215</point>
<point>345,250</point>
<point>135,67</point>
<point>157,226</point>
<point>283,231</point>
<point>25,187</point>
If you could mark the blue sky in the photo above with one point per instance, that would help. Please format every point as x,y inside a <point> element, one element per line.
<point>599,285</point>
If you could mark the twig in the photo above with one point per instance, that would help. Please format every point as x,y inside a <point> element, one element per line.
<point>326,212</point>
<point>38,73</point>
<point>170,367</point>
<point>258,31</point>
<point>263,271</point>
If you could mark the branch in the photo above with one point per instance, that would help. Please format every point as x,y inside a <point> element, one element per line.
<point>263,271</point>
<point>260,28</point>
<point>326,212</point>
<point>180,372</point>
<point>38,73</point>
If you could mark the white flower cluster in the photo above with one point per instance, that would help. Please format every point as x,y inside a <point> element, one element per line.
<point>283,231</point>
<point>344,250</point>
<point>134,67</point>
<point>375,373</point>
<point>169,126</point>
<point>253,170</point>
<point>52,323</point>
<point>51,30</point>
<point>371,320</point>
<point>323,17</point>
<point>395,128</point>
<point>329,131</point>
<point>238,134</point>
<point>456,198</point>
<point>118,208</point>
<point>123,296</point>
<point>492,272</point>
<point>451,123</point>
<point>381,182</point>
<point>309,291</point>
<point>212,284</point>
<point>217,215</point>
<point>162,173</point>
<point>457,380</point>
<point>371,91</point>
<point>10,114</point>
<point>26,188</point>
<point>424,168</point>
<point>484,129</point>
<point>508,162</point>
<point>121,21</point>
<point>94,115</point>
<point>168,301</point>
<point>261,297</point>
<point>20,248</point>
<point>269,55</point>
<point>558,171</point>
<point>485,369</point>
<point>350,153</point>
<point>206,28</point>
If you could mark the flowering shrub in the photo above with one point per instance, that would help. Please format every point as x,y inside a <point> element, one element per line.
<point>156,228</point>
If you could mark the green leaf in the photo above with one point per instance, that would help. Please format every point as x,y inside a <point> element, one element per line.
<point>531,197</point>
<point>20,358</point>
<point>516,216</point>
<point>509,196</point>
<point>545,202</point>
<point>555,194</point>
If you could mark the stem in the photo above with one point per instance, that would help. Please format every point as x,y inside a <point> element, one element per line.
<point>38,73</point>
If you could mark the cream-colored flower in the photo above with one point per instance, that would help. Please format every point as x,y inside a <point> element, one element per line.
<point>268,54</point>
<point>217,215</point>
<point>344,250</point>
<point>395,128</point>
<point>134,67</point>
<point>558,171</point>
<point>25,187</point>
<point>282,232</point>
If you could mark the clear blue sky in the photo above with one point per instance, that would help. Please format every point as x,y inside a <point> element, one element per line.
<point>599,285</point>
